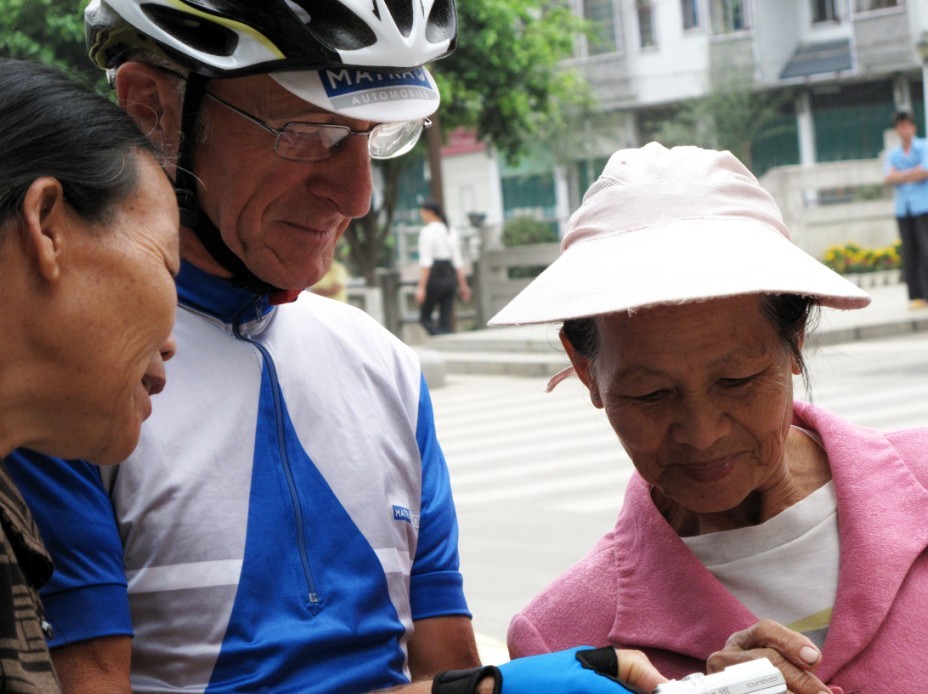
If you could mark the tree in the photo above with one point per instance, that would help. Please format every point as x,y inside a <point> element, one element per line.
<point>505,79</point>
<point>732,115</point>
<point>49,31</point>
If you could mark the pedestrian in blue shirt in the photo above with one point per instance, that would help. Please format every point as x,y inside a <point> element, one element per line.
<point>906,169</point>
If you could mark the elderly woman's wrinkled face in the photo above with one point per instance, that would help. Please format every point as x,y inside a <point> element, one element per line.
<point>700,396</point>
<point>120,313</point>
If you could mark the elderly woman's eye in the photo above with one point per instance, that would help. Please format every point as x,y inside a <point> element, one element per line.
<point>653,396</point>
<point>737,382</point>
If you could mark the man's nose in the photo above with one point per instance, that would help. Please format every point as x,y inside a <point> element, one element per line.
<point>345,178</point>
<point>169,348</point>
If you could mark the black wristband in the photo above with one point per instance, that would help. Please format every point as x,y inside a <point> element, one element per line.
<point>601,660</point>
<point>466,681</point>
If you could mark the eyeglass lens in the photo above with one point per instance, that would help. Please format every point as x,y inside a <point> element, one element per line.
<point>305,142</point>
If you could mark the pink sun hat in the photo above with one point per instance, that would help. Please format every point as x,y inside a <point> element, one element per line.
<point>670,226</point>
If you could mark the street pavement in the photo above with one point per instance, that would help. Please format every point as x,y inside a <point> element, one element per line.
<point>538,477</point>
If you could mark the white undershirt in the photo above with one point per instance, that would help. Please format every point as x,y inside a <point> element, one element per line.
<point>785,569</point>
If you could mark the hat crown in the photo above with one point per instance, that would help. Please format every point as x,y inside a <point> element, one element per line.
<point>641,189</point>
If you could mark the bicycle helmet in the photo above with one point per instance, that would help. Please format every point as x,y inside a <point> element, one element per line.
<point>227,38</point>
<point>321,50</point>
<point>361,59</point>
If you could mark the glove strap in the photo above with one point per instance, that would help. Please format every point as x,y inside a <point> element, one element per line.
<point>466,681</point>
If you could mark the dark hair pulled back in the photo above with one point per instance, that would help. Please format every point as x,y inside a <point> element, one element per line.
<point>435,208</point>
<point>55,126</point>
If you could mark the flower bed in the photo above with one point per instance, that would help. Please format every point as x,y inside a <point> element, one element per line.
<point>852,258</point>
<point>866,267</point>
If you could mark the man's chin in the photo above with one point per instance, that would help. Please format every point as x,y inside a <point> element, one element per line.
<point>289,279</point>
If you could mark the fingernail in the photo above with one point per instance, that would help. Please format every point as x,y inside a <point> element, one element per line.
<point>809,654</point>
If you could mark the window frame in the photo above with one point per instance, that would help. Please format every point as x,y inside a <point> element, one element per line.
<point>690,10</point>
<point>616,46</point>
<point>646,7</point>
<point>831,15</point>
<point>896,4</point>
<point>728,13</point>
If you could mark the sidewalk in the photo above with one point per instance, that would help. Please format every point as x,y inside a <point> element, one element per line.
<point>535,350</point>
<point>888,314</point>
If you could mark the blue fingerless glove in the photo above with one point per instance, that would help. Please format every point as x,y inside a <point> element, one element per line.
<point>582,670</point>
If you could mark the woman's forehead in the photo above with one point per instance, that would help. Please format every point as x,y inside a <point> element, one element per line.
<point>681,327</point>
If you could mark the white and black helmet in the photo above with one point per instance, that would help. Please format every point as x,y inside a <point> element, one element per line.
<point>228,38</point>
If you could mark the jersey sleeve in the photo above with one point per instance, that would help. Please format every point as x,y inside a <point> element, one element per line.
<point>86,597</point>
<point>436,584</point>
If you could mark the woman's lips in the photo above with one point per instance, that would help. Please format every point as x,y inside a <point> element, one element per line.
<point>707,472</point>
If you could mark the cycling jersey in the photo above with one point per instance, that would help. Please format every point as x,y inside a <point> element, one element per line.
<point>285,518</point>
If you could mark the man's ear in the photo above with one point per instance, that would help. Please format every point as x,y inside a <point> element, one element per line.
<point>150,96</point>
<point>583,368</point>
<point>44,222</point>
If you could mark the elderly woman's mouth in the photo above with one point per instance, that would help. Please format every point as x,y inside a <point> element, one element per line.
<point>707,472</point>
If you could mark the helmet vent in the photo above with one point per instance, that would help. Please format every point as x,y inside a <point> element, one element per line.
<point>401,11</point>
<point>442,24</point>
<point>337,27</point>
<point>200,35</point>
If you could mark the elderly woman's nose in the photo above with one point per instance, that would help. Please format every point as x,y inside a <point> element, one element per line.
<point>700,423</point>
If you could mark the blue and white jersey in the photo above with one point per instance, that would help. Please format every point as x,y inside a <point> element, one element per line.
<point>284,520</point>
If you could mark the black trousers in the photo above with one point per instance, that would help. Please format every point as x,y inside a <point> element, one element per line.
<point>913,231</point>
<point>440,291</point>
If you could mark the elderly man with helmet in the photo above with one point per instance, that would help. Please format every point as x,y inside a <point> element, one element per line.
<point>286,523</point>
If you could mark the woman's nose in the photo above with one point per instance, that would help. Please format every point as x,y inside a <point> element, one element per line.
<point>700,423</point>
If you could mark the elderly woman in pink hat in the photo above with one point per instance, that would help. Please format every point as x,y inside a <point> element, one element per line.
<point>755,525</point>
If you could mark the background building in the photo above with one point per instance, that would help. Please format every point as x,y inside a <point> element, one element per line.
<point>841,67</point>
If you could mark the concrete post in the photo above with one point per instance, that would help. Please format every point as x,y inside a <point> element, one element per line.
<point>389,281</point>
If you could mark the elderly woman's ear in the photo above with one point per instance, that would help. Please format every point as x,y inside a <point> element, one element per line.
<point>583,367</point>
<point>44,225</point>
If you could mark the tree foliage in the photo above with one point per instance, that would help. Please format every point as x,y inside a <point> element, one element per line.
<point>522,231</point>
<point>505,80</point>
<point>48,31</point>
<point>731,115</point>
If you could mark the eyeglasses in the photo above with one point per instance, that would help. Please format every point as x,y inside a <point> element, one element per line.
<point>318,141</point>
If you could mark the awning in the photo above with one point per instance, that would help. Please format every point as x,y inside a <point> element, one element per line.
<point>818,58</point>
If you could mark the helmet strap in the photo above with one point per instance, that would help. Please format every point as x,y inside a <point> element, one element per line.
<point>185,187</point>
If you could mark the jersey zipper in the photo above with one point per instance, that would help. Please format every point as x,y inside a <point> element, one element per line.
<point>312,595</point>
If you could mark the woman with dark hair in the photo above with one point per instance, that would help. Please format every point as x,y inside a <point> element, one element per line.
<point>441,274</point>
<point>88,251</point>
<point>755,525</point>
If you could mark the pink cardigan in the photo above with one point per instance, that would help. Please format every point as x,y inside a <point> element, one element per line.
<point>640,587</point>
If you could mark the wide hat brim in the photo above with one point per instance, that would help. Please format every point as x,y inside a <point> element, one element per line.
<point>380,97</point>
<point>670,264</point>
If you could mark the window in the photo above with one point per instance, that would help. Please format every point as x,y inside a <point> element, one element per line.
<point>729,16</point>
<point>645,23</point>
<point>690,11</point>
<point>601,14</point>
<point>867,5</point>
<point>823,11</point>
